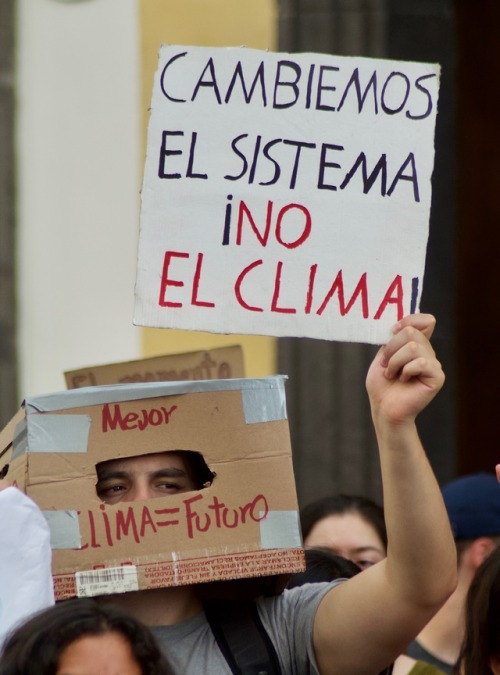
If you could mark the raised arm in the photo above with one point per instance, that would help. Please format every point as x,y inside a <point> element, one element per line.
<point>364,623</point>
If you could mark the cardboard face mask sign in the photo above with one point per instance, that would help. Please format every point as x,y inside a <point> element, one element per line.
<point>285,194</point>
<point>233,529</point>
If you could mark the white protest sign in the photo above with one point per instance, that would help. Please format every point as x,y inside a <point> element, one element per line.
<point>26,584</point>
<point>285,194</point>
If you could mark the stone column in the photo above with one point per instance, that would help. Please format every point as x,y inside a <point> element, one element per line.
<point>8,371</point>
<point>332,437</point>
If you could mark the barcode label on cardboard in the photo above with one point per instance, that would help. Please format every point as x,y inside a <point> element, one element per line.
<point>106,581</point>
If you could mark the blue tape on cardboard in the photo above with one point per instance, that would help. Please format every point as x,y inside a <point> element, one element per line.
<point>53,433</point>
<point>263,405</point>
<point>271,387</point>
<point>280,529</point>
<point>64,529</point>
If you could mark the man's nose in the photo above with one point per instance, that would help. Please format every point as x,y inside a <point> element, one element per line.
<point>139,492</point>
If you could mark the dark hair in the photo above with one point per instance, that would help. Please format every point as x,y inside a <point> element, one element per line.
<point>35,647</point>
<point>340,504</point>
<point>323,565</point>
<point>198,469</point>
<point>482,619</point>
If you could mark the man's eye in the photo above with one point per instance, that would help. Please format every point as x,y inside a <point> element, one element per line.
<point>109,490</point>
<point>168,487</point>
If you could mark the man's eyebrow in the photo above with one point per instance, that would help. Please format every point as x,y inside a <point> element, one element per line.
<point>106,474</point>
<point>168,472</point>
<point>171,472</point>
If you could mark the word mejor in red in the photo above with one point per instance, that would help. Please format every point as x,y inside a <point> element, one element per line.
<point>113,418</point>
<point>195,516</point>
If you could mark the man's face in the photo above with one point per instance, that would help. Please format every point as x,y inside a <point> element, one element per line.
<point>134,479</point>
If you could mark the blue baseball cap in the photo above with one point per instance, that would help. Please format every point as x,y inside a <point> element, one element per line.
<point>473,505</point>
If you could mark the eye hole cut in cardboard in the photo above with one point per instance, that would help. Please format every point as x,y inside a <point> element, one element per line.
<point>243,525</point>
<point>151,476</point>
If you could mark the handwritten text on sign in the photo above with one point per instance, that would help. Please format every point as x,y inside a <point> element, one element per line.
<point>107,529</point>
<point>285,194</point>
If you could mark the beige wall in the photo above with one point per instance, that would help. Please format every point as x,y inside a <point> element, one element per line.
<point>252,23</point>
<point>78,173</point>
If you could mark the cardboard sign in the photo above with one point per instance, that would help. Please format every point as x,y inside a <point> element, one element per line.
<point>244,525</point>
<point>285,194</point>
<point>211,364</point>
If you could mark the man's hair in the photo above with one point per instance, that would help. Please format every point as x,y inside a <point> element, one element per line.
<point>197,468</point>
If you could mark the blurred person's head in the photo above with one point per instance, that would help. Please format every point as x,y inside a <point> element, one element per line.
<point>323,565</point>
<point>473,505</point>
<point>480,651</point>
<point>80,637</point>
<point>350,526</point>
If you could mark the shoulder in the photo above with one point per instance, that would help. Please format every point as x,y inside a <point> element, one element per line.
<point>289,621</point>
<point>306,597</point>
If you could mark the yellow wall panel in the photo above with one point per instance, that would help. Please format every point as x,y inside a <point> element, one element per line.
<point>218,23</point>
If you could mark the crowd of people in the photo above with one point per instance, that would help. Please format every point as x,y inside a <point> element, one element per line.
<point>408,587</point>
<point>462,637</point>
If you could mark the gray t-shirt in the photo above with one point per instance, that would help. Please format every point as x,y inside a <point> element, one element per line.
<point>288,619</point>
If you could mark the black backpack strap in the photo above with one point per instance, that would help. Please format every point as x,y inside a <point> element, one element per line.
<point>388,670</point>
<point>238,630</point>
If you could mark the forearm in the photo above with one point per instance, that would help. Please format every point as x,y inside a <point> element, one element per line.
<point>393,600</point>
<point>421,560</point>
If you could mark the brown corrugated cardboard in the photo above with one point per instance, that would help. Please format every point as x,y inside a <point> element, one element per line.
<point>6,439</point>
<point>210,364</point>
<point>244,525</point>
